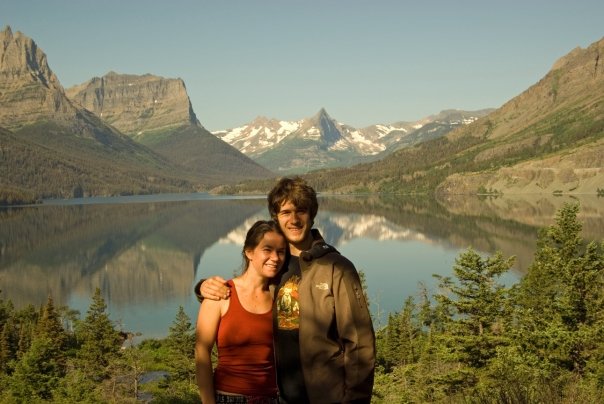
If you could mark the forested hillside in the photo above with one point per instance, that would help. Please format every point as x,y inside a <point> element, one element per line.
<point>36,165</point>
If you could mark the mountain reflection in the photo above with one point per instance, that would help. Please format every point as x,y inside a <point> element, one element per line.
<point>149,252</point>
<point>509,224</point>
<point>134,252</point>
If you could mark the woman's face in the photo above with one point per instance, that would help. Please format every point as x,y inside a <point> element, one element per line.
<point>268,256</point>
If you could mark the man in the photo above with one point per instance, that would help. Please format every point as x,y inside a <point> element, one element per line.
<point>323,335</point>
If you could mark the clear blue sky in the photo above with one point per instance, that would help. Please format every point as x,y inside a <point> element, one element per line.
<point>365,62</point>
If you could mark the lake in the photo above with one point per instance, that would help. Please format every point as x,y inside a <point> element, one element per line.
<point>147,252</point>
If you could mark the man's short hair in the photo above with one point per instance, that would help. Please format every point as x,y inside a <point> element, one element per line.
<point>297,191</point>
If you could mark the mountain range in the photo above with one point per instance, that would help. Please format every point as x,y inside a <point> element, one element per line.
<point>156,112</point>
<point>133,134</point>
<point>547,140</point>
<point>125,142</point>
<point>288,147</point>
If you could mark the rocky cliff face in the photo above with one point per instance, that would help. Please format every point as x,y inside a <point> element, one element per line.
<point>59,147</point>
<point>136,105</point>
<point>55,148</point>
<point>30,93</point>
<point>157,112</point>
<point>29,90</point>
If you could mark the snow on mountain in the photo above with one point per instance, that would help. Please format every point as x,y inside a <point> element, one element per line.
<point>263,134</point>
<point>259,135</point>
<point>343,228</point>
<point>320,141</point>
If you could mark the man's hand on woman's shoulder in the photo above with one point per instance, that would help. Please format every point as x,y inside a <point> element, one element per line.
<point>214,288</point>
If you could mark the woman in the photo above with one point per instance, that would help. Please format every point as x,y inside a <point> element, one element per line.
<point>242,326</point>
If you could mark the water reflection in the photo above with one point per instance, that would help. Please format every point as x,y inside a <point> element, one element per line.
<point>146,256</point>
<point>134,252</point>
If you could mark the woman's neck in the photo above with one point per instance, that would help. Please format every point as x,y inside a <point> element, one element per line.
<point>254,281</point>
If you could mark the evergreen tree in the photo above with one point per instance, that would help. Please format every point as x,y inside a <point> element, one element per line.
<point>50,326</point>
<point>560,307</point>
<point>8,344</point>
<point>540,341</point>
<point>38,372</point>
<point>25,324</point>
<point>6,310</point>
<point>426,315</point>
<point>409,332</point>
<point>100,342</point>
<point>478,303</point>
<point>77,387</point>
<point>181,337</point>
<point>40,369</point>
<point>428,318</point>
<point>181,345</point>
<point>390,343</point>
<point>442,314</point>
<point>8,349</point>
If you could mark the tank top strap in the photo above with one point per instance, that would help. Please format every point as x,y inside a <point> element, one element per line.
<point>237,308</point>
<point>234,304</point>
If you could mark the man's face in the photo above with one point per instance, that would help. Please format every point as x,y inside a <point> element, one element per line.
<point>295,224</point>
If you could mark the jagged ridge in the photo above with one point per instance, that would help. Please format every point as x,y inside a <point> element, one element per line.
<point>320,141</point>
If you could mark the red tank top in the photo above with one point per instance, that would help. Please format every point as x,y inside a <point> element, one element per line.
<point>246,359</point>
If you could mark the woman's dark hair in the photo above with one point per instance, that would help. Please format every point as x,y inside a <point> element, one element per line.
<point>254,237</point>
<point>297,191</point>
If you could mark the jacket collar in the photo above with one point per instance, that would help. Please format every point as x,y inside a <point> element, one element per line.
<point>318,248</point>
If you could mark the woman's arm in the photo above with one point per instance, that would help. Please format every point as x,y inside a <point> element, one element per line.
<point>208,320</point>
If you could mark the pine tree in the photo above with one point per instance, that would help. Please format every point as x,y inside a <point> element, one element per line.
<point>428,322</point>
<point>391,343</point>
<point>50,326</point>
<point>8,334</point>
<point>478,303</point>
<point>100,342</point>
<point>25,321</point>
<point>560,301</point>
<point>7,351</point>
<point>426,315</point>
<point>77,387</point>
<point>6,309</point>
<point>181,344</point>
<point>38,372</point>
<point>409,333</point>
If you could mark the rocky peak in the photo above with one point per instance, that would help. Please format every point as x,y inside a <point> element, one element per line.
<point>137,105</point>
<point>269,126</point>
<point>20,54</point>
<point>322,126</point>
<point>322,118</point>
<point>261,121</point>
<point>29,90</point>
<point>586,60</point>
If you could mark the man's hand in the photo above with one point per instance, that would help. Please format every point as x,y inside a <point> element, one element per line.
<point>215,288</point>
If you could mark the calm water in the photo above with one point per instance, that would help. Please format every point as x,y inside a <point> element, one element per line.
<point>146,253</point>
